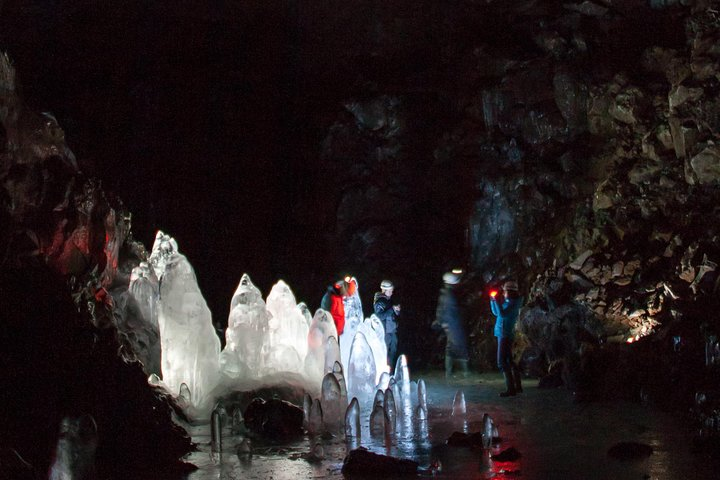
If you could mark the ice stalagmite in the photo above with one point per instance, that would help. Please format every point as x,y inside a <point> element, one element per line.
<point>190,347</point>
<point>307,405</point>
<point>377,420</point>
<point>397,392</point>
<point>75,451</point>
<point>353,319</point>
<point>421,412</point>
<point>374,333</point>
<point>422,394</point>
<point>315,420</point>
<point>338,372</point>
<point>184,398</point>
<point>322,328</point>
<point>145,289</point>
<point>332,354</point>
<point>331,398</point>
<point>243,356</point>
<point>352,419</point>
<point>487,432</point>
<point>287,330</point>
<point>361,371</point>
<point>217,423</point>
<point>459,404</point>
<point>307,315</point>
<point>390,411</point>
<point>402,375</point>
<point>163,249</point>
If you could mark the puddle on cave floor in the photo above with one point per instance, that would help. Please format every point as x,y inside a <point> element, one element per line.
<point>557,438</point>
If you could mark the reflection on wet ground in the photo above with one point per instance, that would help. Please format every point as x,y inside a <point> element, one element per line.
<point>557,439</point>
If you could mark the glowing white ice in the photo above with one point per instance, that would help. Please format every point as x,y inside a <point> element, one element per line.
<point>245,337</point>
<point>361,371</point>
<point>190,347</point>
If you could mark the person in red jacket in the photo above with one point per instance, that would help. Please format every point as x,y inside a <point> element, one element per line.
<point>332,302</point>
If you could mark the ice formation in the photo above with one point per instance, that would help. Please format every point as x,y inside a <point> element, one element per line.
<point>331,399</point>
<point>487,432</point>
<point>361,370</point>
<point>353,319</point>
<point>288,329</point>
<point>272,340</point>
<point>321,329</point>
<point>352,419</point>
<point>145,289</point>
<point>374,333</point>
<point>245,337</point>
<point>459,408</point>
<point>190,347</point>
<point>390,412</point>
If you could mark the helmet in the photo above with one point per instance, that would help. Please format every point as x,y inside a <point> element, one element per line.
<point>451,278</point>
<point>510,286</point>
<point>386,284</point>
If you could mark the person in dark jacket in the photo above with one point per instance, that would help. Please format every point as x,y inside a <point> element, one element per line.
<point>386,310</point>
<point>332,302</point>
<point>507,315</point>
<point>449,317</point>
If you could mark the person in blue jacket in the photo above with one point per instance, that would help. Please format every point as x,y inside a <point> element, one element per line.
<point>449,317</point>
<point>507,315</point>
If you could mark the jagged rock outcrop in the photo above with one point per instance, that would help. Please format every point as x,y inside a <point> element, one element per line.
<point>69,348</point>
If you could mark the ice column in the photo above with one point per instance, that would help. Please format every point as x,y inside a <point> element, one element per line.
<point>315,420</point>
<point>288,330</point>
<point>321,329</point>
<point>374,333</point>
<point>377,420</point>
<point>390,412</point>
<point>361,371</point>
<point>338,372</point>
<point>459,404</point>
<point>75,450</point>
<point>243,356</point>
<point>331,398</point>
<point>145,289</point>
<point>421,411</point>
<point>487,433</point>
<point>352,419</point>
<point>353,319</point>
<point>190,347</point>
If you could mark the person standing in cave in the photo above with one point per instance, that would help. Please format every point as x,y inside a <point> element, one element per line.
<point>507,315</point>
<point>449,317</point>
<point>332,302</point>
<point>388,313</point>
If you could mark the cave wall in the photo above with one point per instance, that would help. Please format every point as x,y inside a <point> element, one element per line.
<point>571,146</point>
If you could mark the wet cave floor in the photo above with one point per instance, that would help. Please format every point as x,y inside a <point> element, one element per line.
<point>556,437</point>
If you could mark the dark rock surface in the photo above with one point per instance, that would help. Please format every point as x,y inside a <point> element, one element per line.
<point>275,420</point>
<point>630,451</point>
<point>361,463</point>
<point>64,245</point>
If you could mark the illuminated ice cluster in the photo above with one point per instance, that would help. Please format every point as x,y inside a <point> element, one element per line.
<point>268,341</point>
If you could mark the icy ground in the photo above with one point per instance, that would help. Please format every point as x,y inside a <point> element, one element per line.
<point>557,439</point>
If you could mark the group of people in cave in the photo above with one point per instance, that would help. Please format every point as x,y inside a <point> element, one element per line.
<point>449,319</point>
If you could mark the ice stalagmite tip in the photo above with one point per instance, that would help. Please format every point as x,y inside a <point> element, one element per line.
<point>459,408</point>
<point>352,419</point>
<point>487,432</point>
